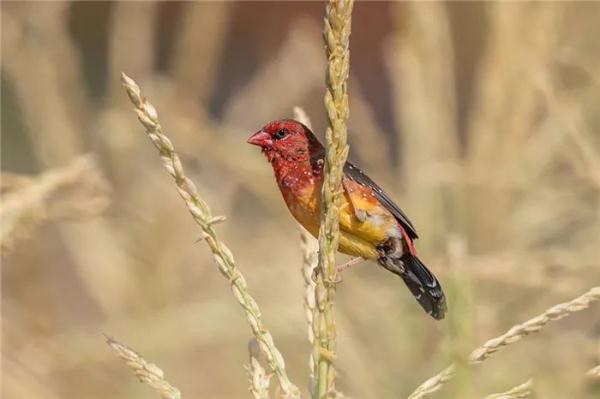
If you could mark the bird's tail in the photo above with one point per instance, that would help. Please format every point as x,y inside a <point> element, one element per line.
<point>421,282</point>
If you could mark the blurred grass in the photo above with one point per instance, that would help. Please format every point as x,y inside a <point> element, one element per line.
<point>480,118</point>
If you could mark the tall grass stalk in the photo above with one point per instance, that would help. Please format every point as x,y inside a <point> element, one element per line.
<point>77,190</point>
<point>514,334</point>
<point>148,373</point>
<point>257,376</point>
<point>337,38</point>
<point>203,216</point>
<point>522,391</point>
<point>310,253</point>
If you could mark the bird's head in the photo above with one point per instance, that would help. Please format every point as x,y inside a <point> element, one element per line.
<point>286,139</point>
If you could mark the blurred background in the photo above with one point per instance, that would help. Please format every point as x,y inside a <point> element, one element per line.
<point>481,120</point>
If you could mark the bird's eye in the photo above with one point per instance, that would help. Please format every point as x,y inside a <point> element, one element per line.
<point>281,133</point>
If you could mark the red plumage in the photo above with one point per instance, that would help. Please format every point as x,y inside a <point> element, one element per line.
<point>372,226</point>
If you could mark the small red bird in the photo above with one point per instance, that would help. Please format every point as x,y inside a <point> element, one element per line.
<point>372,226</point>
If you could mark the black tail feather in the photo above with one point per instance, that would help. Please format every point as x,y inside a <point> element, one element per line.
<point>421,282</point>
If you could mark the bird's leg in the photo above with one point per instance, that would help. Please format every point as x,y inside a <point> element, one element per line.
<point>351,262</point>
<point>339,269</point>
<point>315,273</point>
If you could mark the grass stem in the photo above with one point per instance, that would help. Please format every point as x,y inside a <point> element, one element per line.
<point>203,216</point>
<point>337,37</point>
<point>514,334</point>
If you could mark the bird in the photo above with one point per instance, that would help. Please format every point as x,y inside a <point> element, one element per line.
<point>372,226</point>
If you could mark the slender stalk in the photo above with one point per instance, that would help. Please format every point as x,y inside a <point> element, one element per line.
<point>520,331</point>
<point>148,373</point>
<point>203,216</point>
<point>514,334</point>
<point>77,190</point>
<point>257,376</point>
<point>309,262</point>
<point>310,253</point>
<point>522,391</point>
<point>337,37</point>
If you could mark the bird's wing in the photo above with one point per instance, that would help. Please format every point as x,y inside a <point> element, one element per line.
<point>354,173</point>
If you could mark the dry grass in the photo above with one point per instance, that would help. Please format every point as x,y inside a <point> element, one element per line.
<point>203,217</point>
<point>522,391</point>
<point>514,334</point>
<point>257,376</point>
<point>310,253</point>
<point>535,324</point>
<point>338,16</point>
<point>76,191</point>
<point>480,119</point>
<point>147,373</point>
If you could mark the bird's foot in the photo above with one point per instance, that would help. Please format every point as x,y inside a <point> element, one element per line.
<point>339,270</point>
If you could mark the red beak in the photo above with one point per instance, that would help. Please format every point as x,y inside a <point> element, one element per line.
<point>261,139</point>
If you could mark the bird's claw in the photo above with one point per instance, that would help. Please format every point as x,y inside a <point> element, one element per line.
<point>315,274</point>
<point>317,271</point>
<point>338,272</point>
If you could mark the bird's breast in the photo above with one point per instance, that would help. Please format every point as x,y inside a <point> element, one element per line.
<point>364,221</point>
<point>303,201</point>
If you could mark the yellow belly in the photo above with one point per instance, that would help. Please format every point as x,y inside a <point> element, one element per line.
<point>349,243</point>
<point>352,245</point>
<point>357,238</point>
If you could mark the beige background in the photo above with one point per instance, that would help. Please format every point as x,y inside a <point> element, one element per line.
<point>481,119</point>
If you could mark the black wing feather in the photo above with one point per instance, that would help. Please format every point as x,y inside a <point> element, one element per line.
<point>360,177</point>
